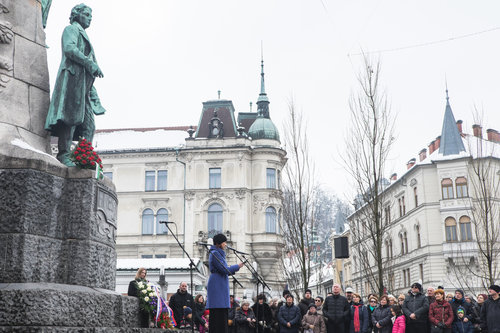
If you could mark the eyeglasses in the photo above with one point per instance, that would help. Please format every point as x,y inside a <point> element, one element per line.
<point>373,301</point>
<point>317,300</point>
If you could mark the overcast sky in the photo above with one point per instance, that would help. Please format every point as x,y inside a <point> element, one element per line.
<point>162,59</point>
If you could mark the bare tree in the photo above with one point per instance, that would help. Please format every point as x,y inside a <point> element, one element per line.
<point>367,145</point>
<point>298,202</point>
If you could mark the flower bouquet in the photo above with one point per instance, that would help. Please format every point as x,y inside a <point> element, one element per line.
<point>159,312</point>
<point>85,157</point>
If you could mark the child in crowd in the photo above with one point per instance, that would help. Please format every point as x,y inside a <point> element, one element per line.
<point>187,319</point>
<point>461,326</point>
<point>205,316</point>
<point>399,323</point>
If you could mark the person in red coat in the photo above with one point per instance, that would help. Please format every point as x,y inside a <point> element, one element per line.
<point>440,312</point>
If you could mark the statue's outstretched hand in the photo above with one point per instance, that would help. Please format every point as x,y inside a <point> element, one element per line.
<point>98,72</point>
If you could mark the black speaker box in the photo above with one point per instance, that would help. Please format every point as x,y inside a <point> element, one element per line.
<point>341,245</point>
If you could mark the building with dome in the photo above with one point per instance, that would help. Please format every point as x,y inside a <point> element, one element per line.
<point>223,175</point>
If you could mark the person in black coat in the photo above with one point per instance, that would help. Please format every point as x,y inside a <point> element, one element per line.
<point>416,310</point>
<point>233,305</point>
<point>263,314</point>
<point>459,301</point>
<point>337,311</point>
<point>133,290</point>
<point>490,311</point>
<point>381,316</point>
<point>179,300</point>
<point>245,318</point>
<point>305,302</point>
<point>289,316</point>
<point>198,310</point>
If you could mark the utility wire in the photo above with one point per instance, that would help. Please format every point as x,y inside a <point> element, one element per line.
<point>427,43</point>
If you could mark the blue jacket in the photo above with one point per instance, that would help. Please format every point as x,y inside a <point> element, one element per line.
<point>218,282</point>
<point>289,314</point>
<point>363,319</point>
<point>461,327</point>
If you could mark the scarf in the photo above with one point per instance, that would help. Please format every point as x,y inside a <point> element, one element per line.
<point>357,326</point>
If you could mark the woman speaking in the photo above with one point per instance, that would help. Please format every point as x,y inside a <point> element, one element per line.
<point>218,285</point>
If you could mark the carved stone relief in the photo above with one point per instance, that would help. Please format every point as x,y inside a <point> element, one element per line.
<point>6,36</point>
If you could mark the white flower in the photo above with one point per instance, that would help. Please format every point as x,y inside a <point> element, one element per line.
<point>149,289</point>
<point>144,291</point>
<point>150,284</point>
<point>146,298</point>
<point>151,294</point>
<point>140,284</point>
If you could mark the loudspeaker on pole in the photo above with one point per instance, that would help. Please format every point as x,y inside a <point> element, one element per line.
<point>341,246</point>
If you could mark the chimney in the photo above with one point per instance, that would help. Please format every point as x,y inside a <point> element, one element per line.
<point>410,163</point>
<point>477,130</point>
<point>493,135</point>
<point>437,143</point>
<point>431,147</point>
<point>394,176</point>
<point>459,126</point>
<point>422,155</point>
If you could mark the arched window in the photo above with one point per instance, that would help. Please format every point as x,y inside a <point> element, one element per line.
<point>447,188</point>
<point>405,237</point>
<point>148,220</point>
<point>451,229</point>
<point>161,215</point>
<point>402,243</point>
<point>461,184</point>
<point>214,219</point>
<point>465,229</point>
<point>419,241</point>
<point>390,247</point>
<point>271,220</point>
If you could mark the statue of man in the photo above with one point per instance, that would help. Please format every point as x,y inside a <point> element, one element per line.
<point>74,100</point>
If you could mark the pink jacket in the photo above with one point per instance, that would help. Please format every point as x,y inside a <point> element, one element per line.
<point>399,325</point>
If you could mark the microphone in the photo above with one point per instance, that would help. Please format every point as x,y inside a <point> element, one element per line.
<point>166,222</point>
<point>209,242</point>
<point>230,248</point>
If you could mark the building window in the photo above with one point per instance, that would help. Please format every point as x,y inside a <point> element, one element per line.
<point>108,174</point>
<point>402,206</point>
<point>447,188</point>
<point>405,237</point>
<point>421,268</point>
<point>160,256</point>
<point>280,216</point>
<point>408,277</point>
<point>402,243</point>
<point>390,247</point>
<point>415,195</point>
<point>451,229</point>
<point>162,180</point>
<point>161,215</point>
<point>465,229</point>
<point>271,220</point>
<point>387,213</point>
<point>148,219</point>
<point>150,181</point>
<point>146,256</point>
<point>279,180</point>
<point>270,178</point>
<point>461,184</point>
<point>214,219</point>
<point>419,240</point>
<point>214,178</point>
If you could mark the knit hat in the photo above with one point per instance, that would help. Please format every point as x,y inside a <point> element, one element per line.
<point>286,292</point>
<point>460,309</point>
<point>219,239</point>
<point>460,291</point>
<point>495,287</point>
<point>349,290</point>
<point>312,306</point>
<point>308,291</point>
<point>289,295</point>
<point>206,312</point>
<point>187,311</point>
<point>417,285</point>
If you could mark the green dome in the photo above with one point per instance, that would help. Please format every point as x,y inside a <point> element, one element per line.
<point>263,128</point>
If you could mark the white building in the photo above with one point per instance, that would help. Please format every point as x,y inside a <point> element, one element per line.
<point>222,178</point>
<point>433,211</point>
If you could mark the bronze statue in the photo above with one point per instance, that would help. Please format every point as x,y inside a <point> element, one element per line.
<point>74,100</point>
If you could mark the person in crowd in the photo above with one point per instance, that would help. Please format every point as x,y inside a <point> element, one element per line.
<point>381,317</point>
<point>469,299</point>
<point>304,303</point>
<point>187,318</point>
<point>440,313</point>
<point>206,318</point>
<point>245,318</point>
<point>318,301</point>
<point>359,315</point>
<point>416,310</point>
<point>401,299</point>
<point>289,317</point>
<point>430,295</point>
<point>458,301</point>
<point>198,310</point>
<point>462,326</point>
<point>179,300</point>
<point>274,311</point>
<point>490,311</point>
<point>348,294</point>
<point>398,320</point>
<point>263,314</point>
<point>233,304</point>
<point>392,300</point>
<point>449,297</point>
<point>372,305</point>
<point>312,322</point>
<point>336,310</point>
<point>133,290</point>
<point>218,300</point>
<point>476,310</point>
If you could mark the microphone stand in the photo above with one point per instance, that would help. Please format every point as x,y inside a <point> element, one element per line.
<point>191,262</point>
<point>260,280</point>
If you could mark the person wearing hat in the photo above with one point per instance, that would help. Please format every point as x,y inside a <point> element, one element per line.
<point>416,310</point>
<point>289,316</point>
<point>263,314</point>
<point>312,322</point>
<point>462,326</point>
<point>187,318</point>
<point>304,303</point>
<point>440,313</point>
<point>218,285</point>
<point>490,311</point>
<point>458,301</point>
